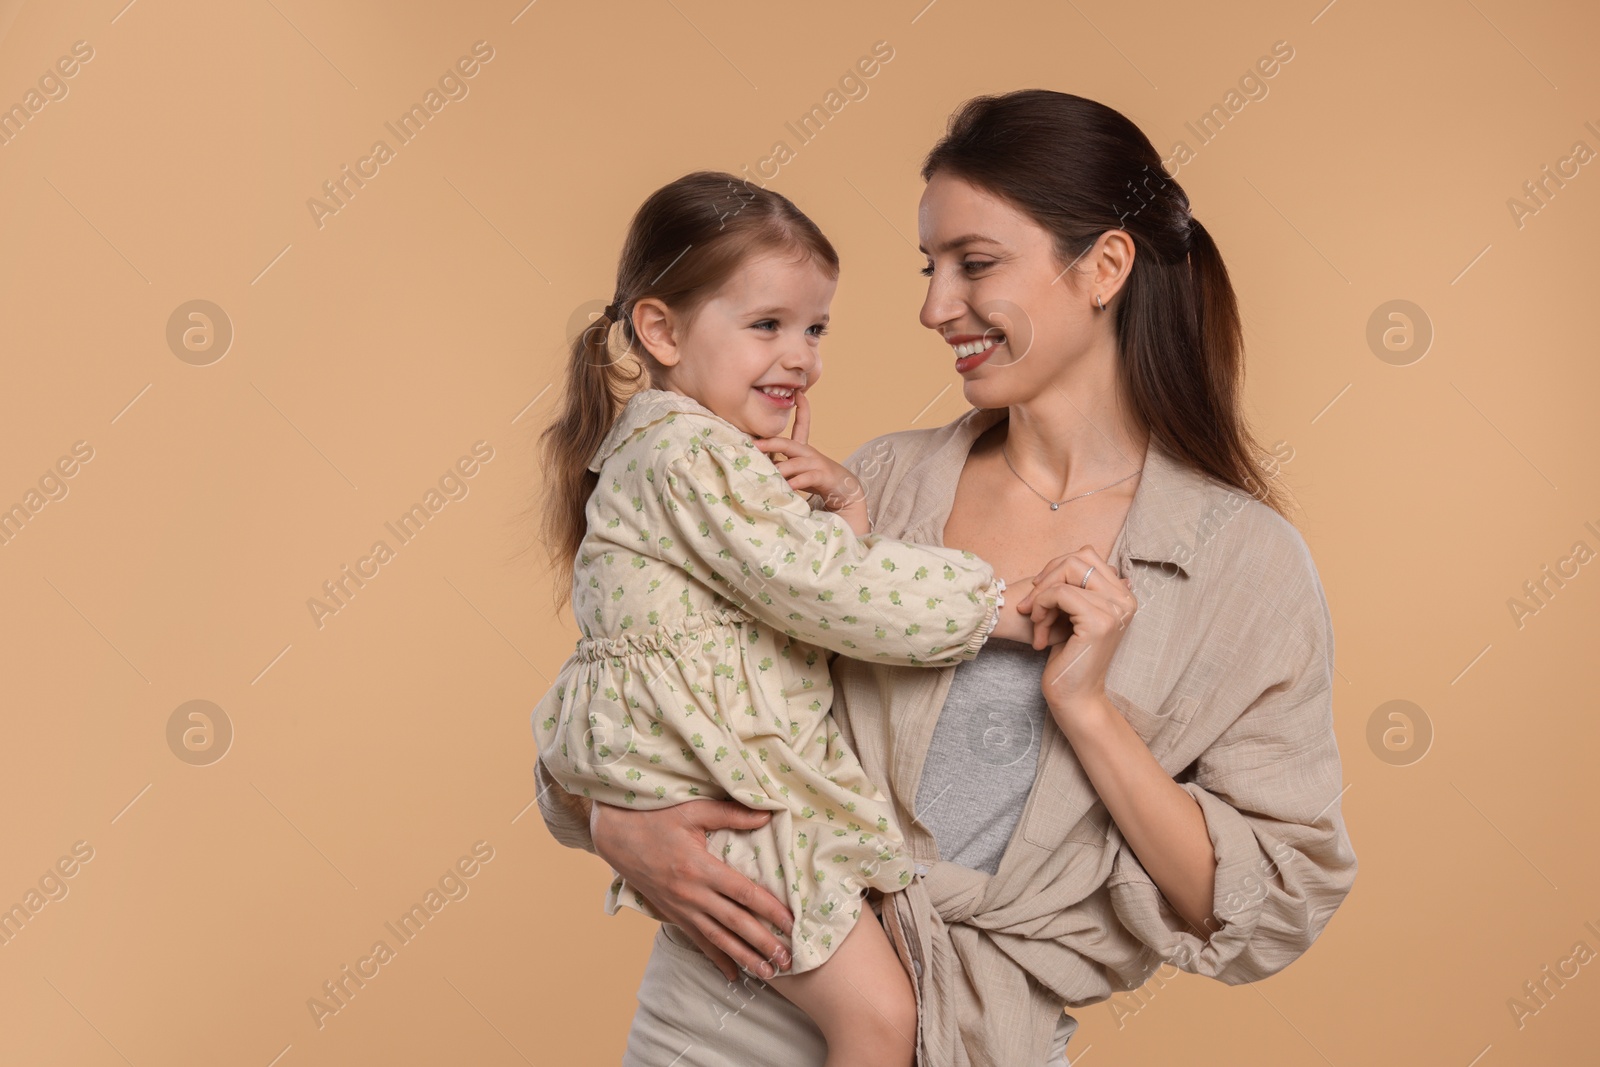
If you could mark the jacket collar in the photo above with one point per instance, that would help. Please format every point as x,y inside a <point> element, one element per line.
<point>1169,512</point>
<point>644,407</point>
<point>1164,522</point>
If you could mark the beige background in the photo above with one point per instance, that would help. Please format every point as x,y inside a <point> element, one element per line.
<point>369,354</point>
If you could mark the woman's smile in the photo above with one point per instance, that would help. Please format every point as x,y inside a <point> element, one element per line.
<point>971,350</point>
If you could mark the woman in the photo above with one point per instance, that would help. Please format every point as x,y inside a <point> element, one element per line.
<point>1161,787</point>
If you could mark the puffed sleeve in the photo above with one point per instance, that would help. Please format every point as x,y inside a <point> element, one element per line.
<point>733,522</point>
<point>1269,787</point>
<point>564,813</point>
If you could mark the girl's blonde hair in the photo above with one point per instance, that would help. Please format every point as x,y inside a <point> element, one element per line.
<point>689,237</point>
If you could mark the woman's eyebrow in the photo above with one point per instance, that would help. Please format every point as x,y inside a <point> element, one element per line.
<point>958,242</point>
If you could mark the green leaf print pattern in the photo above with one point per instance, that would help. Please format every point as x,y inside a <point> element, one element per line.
<point>708,595</point>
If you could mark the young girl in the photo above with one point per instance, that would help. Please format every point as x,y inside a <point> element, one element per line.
<point>711,596</point>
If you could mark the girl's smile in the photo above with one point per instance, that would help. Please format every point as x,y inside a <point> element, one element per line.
<point>781,396</point>
<point>751,346</point>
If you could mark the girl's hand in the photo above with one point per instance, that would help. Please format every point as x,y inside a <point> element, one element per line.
<point>1075,674</point>
<point>1053,628</point>
<point>662,853</point>
<point>805,468</point>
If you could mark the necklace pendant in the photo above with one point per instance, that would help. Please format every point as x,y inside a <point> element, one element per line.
<point>1053,507</point>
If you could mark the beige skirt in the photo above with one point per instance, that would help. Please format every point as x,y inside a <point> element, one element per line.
<point>689,1015</point>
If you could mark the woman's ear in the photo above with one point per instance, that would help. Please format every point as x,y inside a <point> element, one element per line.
<point>1112,265</point>
<point>655,326</point>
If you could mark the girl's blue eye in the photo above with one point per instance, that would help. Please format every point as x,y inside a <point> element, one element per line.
<point>819,330</point>
<point>766,322</point>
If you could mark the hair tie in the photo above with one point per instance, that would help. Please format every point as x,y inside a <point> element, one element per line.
<point>612,313</point>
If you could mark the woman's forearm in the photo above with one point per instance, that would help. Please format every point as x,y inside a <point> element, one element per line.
<point>1161,822</point>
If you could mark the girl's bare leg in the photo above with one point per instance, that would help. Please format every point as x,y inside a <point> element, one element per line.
<point>861,999</point>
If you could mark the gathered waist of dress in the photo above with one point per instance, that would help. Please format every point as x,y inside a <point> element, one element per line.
<point>659,639</point>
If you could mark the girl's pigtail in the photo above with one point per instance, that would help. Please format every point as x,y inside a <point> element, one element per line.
<point>686,240</point>
<point>597,387</point>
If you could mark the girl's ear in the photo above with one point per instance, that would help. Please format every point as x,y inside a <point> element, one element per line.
<point>654,325</point>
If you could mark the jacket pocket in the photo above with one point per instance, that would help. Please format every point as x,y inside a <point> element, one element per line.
<point>1159,729</point>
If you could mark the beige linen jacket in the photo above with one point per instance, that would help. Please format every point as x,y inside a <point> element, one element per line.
<point>1225,672</point>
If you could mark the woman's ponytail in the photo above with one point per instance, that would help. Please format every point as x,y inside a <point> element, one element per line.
<point>1079,168</point>
<point>1235,456</point>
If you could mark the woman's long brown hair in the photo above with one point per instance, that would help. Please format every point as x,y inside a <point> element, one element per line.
<point>1078,169</point>
<point>685,240</point>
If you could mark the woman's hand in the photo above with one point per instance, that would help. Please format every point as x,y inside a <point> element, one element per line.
<point>805,468</point>
<point>1075,674</point>
<point>662,853</point>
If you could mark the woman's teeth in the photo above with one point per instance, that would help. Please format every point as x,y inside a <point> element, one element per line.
<point>974,347</point>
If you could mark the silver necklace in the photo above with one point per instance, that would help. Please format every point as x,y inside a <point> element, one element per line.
<point>1055,504</point>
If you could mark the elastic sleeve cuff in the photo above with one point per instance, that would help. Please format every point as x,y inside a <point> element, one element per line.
<point>1147,915</point>
<point>994,597</point>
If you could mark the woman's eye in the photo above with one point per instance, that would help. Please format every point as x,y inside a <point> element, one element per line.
<point>971,266</point>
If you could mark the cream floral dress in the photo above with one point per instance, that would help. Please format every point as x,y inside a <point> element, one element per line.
<point>710,596</point>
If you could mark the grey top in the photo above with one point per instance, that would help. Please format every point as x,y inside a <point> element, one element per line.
<point>985,750</point>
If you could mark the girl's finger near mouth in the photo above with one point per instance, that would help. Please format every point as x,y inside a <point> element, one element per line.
<point>802,417</point>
